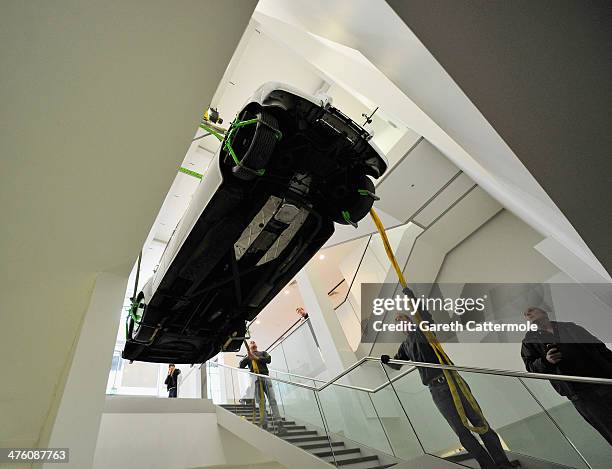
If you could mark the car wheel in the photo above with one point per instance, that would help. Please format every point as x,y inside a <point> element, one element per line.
<point>253,144</point>
<point>360,204</point>
<point>134,327</point>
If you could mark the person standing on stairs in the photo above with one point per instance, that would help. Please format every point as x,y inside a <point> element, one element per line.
<point>264,385</point>
<point>416,348</point>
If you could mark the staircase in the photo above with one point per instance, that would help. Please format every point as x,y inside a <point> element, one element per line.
<point>315,443</point>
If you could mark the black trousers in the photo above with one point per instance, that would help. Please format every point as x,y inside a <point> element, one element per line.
<point>172,392</point>
<point>487,458</point>
<point>596,407</point>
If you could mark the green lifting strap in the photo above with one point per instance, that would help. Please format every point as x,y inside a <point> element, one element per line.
<point>189,172</point>
<point>234,126</point>
<point>214,132</point>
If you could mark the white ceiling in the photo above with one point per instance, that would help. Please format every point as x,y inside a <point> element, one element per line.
<point>277,317</point>
<point>263,60</point>
<point>99,104</point>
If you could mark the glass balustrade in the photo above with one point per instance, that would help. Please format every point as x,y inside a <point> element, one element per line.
<point>526,431</point>
<point>594,448</point>
<point>391,412</point>
<point>298,353</point>
<point>351,415</point>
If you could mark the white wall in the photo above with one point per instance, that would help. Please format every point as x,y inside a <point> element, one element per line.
<point>97,92</point>
<point>374,267</point>
<point>501,251</point>
<point>165,441</point>
<point>80,408</point>
<point>333,343</point>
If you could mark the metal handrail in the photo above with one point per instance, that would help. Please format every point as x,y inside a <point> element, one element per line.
<point>501,372</point>
<point>288,333</point>
<point>350,286</point>
<point>414,365</point>
<point>375,390</point>
<point>312,388</point>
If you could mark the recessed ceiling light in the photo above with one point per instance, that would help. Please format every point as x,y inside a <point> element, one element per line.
<point>258,322</point>
<point>287,292</point>
<point>322,256</point>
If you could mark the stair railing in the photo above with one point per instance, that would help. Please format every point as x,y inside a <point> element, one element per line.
<point>319,385</point>
<point>415,365</point>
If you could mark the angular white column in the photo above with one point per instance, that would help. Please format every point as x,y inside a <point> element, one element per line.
<point>346,410</point>
<point>333,343</point>
<point>80,410</point>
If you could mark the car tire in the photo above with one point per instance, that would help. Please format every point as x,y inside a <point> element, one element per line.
<point>136,331</point>
<point>361,205</point>
<point>254,144</point>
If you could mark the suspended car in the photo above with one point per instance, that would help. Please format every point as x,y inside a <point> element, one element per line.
<point>289,167</point>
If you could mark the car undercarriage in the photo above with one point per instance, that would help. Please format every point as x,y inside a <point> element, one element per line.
<point>288,169</point>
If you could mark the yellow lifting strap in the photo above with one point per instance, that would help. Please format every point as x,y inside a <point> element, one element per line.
<point>454,380</point>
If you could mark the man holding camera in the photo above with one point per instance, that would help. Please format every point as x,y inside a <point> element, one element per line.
<point>565,348</point>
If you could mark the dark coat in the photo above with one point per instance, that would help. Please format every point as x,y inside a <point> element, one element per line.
<point>263,358</point>
<point>416,348</point>
<point>172,380</point>
<point>582,355</point>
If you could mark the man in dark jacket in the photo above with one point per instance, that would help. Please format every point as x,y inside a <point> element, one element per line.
<point>262,360</point>
<point>172,380</point>
<point>416,348</point>
<point>565,348</point>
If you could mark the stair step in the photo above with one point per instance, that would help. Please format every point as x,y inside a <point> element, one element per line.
<point>243,409</point>
<point>250,414</point>
<point>337,452</point>
<point>249,417</point>
<point>321,445</point>
<point>459,457</point>
<point>285,422</point>
<point>300,439</point>
<point>360,459</point>
<point>301,433</point>
<point>246,412</point>
<point>384,466</point>
<point>289,423</point>
<point>309,439</point>
<point>270,423</point>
